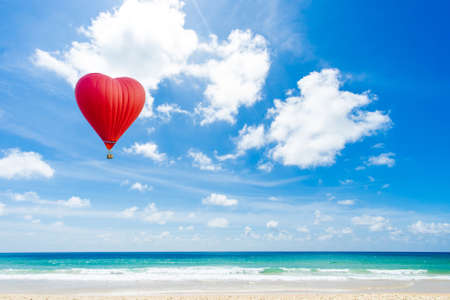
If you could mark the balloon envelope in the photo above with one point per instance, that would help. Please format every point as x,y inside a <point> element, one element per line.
<point>110,105</point>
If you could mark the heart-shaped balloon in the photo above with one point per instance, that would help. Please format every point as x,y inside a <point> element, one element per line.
<point>110,105</point>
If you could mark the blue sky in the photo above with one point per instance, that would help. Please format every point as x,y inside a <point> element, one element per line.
<point>307,125</point>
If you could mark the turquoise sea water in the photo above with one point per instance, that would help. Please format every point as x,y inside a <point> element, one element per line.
<point>228,266</point>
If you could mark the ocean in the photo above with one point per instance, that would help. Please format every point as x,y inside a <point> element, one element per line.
<point>288,266</point>
<point>169,269</point>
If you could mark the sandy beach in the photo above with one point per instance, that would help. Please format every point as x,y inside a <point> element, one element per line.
<point>237,297</point>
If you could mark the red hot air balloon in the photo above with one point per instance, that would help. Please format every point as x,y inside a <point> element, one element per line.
<point>110,105</point>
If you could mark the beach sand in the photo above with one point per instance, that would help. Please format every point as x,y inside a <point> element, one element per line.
<point>393,296</point>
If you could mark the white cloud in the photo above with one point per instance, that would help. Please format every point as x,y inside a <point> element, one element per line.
<point>153,215</point>
<point>186,228</point>
<point>218,223</point>
<point>149,150</point>
<point>384,159</point>
<point>378,146</point>
<point>33,197</point>
<point>167,110</point>
<point>58,224</point>
<point>248,232</point>
<point>27,197</point>
<point>360,168</point>
<point>319,217</point>
<point>149,237</point>
<point>375,223</point>
<point>145,40</point>
<point>266,167</point>
<point>219,199</point>
<point>250,137</point>
<point>129,212</point>
<point>332,232</point>
<point>75,202</point>
<point>31,219</point>
<point>202,161</point>
<point>290,92</point>
<point>17,164</point>
<point>281,235</point>
<point>330,197</point>
<point>137,186</point>
<point>272,198</point>
<point>235,78</point>
<point>346,181</point>
<point>272,224</point>
<point>430,228</point>
<point>385,186</point>
<point>2,209</point>
<point>346,202</point>
<point>303,229</point>
<point>371,179</point>
<point>310,130</point>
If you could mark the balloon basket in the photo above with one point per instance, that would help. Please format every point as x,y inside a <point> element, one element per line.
<point>109,155</point>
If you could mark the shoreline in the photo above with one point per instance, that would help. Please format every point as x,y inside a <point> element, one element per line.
<point>43,288</point>
<point>227,296</point>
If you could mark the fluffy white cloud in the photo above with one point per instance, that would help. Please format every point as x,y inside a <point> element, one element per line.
<point>218,223</point>
<point>149,150</point>
<point>16,164</point>
<point>430,228</point>
<point>384,159</point>
<point>137,186</point>
<point>346,202</point>
<point>310,130</point>
<point>153,215</point>
<point>75,202</point>
<point>272,224</point>
<point>236,76</point>
<point>129,212</point>
<point>2,208</point>
<point>250,137</point>
<point>202,161</point>
<point>375,223</point>
<point>219,199</point>
<point>319,217</point>
<point>145,40</point>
